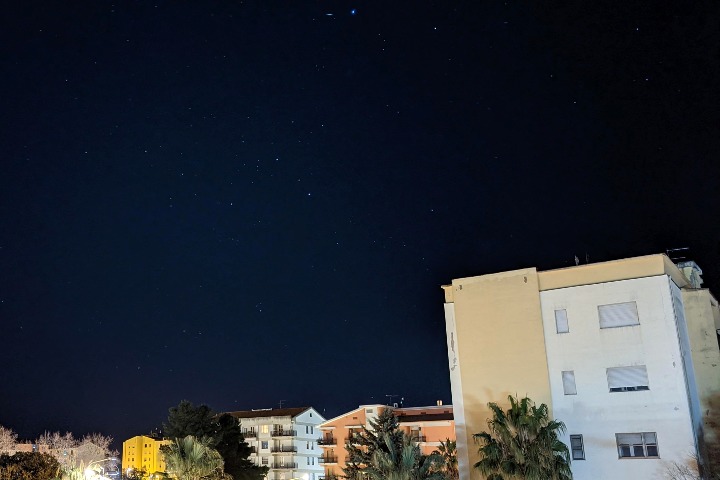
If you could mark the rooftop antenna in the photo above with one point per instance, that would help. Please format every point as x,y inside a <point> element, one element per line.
<point>281,402</point>
<point>577,261</point>
<point>390,398</point>
<point>673,253</point>
<point>587,257</point>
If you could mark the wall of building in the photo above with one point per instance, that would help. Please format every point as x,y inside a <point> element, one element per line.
<point>495,348</point>
<point>419,422</point>
<point>299,453</point>
<point>143,453</point>
<point>703,320</point>
<point>588,351</point>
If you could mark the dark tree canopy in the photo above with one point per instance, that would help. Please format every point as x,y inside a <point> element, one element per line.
<point>522,443</point>
<point>28,466</point>
<point>223,434</point>
<point>187,419</point>
<point>364,444</point>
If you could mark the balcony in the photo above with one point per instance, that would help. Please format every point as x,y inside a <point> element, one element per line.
<point>250,434</point>
<point>284,466</point>
<point>284,449</point>
<point>284,433</point>
<point>325,459</point>
<point>327,441</point>
<point>419,438</point>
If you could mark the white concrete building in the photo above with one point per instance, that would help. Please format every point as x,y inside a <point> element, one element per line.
<point>285,440</point>
<point>606,346</point>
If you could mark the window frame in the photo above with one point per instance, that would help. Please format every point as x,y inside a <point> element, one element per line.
<point>573,449</point>
<point>632,448</point>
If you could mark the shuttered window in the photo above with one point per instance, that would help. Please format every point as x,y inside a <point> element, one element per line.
<point>568,379</point>
<point>628,379</point>
<point>618,315</point>
<point>561,321</point>
<point>577,447</point>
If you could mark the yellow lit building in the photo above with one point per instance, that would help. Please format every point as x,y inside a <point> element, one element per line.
<point>143,453</point>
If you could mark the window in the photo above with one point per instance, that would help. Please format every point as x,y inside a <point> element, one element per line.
<point>618,315</point>
<point>264,445</point>
<point>312,429</point>
<point>576,445</point>
<point>264,428</point>
<point>628,379</point>
<point>368,410</point>
<point>264,460</point>
<point>568,379</point>
<point>308,460</point>
<point>561,321</point>
<point>637,444</point>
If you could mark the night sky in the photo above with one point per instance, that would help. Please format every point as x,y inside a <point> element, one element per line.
<point>242,203</point>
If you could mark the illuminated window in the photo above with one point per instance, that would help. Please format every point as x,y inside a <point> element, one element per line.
<point>264,428</point>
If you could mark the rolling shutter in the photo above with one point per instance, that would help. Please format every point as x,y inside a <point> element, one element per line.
<point>568,378</point>
<point>618,315</point>
<point>561,321</point>
<point>627,377</point>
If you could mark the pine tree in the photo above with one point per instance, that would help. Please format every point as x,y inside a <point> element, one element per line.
<point>362,445</point>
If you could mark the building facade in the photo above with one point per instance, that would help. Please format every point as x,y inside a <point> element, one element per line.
<point>624,352</point>
<point>427,425</point>
<point>285,440</point>
<point>143,453</point>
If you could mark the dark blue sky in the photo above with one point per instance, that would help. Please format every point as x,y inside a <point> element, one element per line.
<point>239,203</point>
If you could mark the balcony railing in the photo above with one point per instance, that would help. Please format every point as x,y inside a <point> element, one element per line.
<point>328,459</point>
<point>284,449</point>
<point>327,441</point>
<point>284,433</point>
<point>250,434</point>
<point>284,466</point>
<point>419,438</point>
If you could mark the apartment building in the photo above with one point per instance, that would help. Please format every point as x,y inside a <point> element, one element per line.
<point>285,440</point>
<point>143,453</point>
<point>624,352</point>
<point>427,425</point>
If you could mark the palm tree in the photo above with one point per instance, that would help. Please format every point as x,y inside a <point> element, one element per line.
<point>192,459</point>
<point>523,443</point>
<point>447,451</point>
<point>402,462</point>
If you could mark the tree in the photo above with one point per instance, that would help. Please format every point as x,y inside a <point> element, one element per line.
<point>62,447</point>
<point>447,451</point>
<point>522,443</point>
<point>28,466</point>
<point>92,448</point>
<point>362,445</point>
<point>235,451</point>
<point>222,432</point>
<point>187,419</point>
<point>402,461</point>
<point>189,458</point>
<point>8,440</point>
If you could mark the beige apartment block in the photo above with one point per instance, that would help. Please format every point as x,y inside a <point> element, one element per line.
<point>569,338</point>
<point>427,425</point>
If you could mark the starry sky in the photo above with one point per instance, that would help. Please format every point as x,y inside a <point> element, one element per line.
<point>246,202</point>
